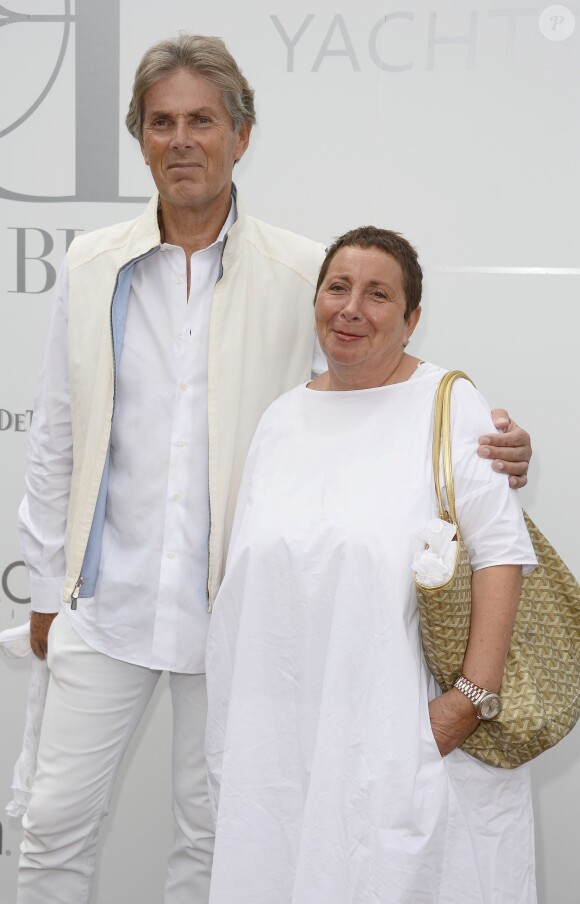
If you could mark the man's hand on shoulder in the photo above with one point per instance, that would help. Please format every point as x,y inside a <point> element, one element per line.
<point>510,450</point>
<point>40,623</point>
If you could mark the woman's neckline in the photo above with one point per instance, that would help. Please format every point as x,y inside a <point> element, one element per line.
<point>341,392</point>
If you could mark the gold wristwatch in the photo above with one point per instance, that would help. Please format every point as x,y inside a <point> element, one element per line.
<point>487,704</point>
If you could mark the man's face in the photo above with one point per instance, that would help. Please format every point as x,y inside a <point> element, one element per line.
<point>189,142</point>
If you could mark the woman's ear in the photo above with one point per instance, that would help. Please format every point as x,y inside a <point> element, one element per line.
<point>412,321</point>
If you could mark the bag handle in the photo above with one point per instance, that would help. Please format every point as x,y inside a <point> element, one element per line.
<point>442,440</point>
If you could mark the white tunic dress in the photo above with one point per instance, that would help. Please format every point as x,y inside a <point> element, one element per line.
<point>326,780</point>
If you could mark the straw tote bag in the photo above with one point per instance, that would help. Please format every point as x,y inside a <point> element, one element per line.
<point>540,690</point>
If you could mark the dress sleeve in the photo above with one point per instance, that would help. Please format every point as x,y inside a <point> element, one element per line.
<point>43,511</point>
<point>488,510</point>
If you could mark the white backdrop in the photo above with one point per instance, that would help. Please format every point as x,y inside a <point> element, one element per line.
<point>454,122</point>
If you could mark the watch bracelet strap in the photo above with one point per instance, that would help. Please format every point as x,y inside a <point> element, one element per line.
<point>472,691</point>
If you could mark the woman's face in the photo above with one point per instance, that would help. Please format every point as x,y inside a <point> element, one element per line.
<point>360,314</point>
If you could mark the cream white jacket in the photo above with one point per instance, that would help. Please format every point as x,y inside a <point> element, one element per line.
<point>260,345</point>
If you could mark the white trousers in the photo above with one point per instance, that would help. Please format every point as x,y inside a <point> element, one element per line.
<point>93,706</point>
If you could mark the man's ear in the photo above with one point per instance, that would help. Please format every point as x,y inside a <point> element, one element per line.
<point>244,133</point>
<point>144,152</point>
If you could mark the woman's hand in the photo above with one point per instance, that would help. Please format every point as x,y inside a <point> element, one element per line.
<point>453,719</point>
<point>511,449</point>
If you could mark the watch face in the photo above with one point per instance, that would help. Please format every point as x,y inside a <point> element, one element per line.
<point>489,707</point>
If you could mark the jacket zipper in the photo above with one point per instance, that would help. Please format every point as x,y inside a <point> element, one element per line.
<point>209,603</point>
<point>75,594</point>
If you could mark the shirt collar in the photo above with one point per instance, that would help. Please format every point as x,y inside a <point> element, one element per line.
<point>230,220</point>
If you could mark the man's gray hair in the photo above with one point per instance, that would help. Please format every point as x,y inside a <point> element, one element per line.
<point>205,56</point>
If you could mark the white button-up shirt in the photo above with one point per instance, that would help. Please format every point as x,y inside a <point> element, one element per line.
<point>150,605</point>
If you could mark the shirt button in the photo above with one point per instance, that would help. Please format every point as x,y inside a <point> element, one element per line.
<point>183,386</point>
<point>175,497</point>
<point>180,442</point>
<point>179,337</point>
<point>170,555</point>
<point>178,280</point>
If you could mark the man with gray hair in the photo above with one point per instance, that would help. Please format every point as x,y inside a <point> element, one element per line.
<point>169,337</point>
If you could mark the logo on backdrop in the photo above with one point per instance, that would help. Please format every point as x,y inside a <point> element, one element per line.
<point>13,583</point>
<point>333,36</point>
<point>3,850</point>
<point>17,421</point>
<point>91,34</point>
<point>34,272</point>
